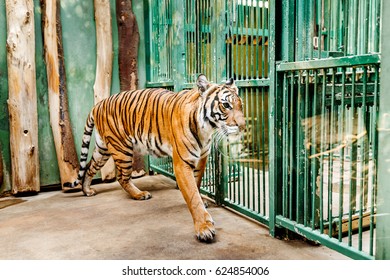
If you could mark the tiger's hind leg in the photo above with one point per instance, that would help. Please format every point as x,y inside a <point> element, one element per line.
<point>99,158</point>
<point>123,161</point>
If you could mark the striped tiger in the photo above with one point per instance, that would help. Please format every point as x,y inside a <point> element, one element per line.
<point>162,123</point>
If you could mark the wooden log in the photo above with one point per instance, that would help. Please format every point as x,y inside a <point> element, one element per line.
<point>58,100</point>
<point>22,100</point>
<point>102,86</point>
<point>128,36</point>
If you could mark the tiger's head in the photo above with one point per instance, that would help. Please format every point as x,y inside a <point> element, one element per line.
<point>222,106</point>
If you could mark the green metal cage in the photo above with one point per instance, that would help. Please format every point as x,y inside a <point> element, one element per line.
<point>309,75</point>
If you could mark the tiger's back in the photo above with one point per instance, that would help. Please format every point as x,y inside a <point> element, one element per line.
<point>151,121</point>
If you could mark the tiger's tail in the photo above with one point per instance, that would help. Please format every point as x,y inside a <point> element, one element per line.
<point>88,129</point>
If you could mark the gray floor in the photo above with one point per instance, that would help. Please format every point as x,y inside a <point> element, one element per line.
<point>57,225</point>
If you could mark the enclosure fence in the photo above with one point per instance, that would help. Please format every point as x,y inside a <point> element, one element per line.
<point>329,137</point>
<point>307,161</point>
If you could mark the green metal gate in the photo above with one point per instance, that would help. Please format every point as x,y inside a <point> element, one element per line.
<point>310,85</point>
<point>328,96</point>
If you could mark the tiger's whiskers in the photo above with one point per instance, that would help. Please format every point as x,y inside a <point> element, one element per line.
<point>223,145</point>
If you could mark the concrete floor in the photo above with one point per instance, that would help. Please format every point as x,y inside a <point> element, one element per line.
<point>57,225</point>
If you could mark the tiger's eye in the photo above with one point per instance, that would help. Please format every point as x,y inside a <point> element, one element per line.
<point>226,105</point>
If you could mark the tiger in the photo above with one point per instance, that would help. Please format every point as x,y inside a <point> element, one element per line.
<point>162,123</point>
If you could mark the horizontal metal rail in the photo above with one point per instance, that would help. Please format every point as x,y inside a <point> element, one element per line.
<point>323,239</point>
<point>349,61</point>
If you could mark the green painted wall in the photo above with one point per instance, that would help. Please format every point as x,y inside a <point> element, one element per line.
<point>79,41</point>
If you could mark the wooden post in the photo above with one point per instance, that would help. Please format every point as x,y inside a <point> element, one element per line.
<point>58,101</point>
<point>102,86</point>
<point>128,36</point>
<point>22,100</point>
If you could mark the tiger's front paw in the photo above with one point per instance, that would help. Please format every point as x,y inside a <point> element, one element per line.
<point>142,196</point>
<point>89,192</point>
<point>205,232</point>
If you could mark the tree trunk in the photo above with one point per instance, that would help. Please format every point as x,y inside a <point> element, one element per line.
<point>102,86</point>
<point>22,102</point>
<point>58,99</point>
<point>128,36</point>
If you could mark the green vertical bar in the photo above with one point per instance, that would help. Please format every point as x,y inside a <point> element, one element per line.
<point>353,161</point>
<point>322,150</point>
<point>178,45</point>
<point>264,26</point>
<point>246,185</point>
<point>300,30</point>
<point>378,19</point>
<point>161,47</point>
<point>330,165</point>
<point>345,28</point>
<point>197,39</point>
<point>256,37</point>
<point>258,151</point>
<point>255,108</point>
<point>364,147</point>
<point>339,25</point>
<point>285,165</point>
<point>320,12</point>
<point>274,113</point>
<point>156,42</point>
<point>168,28</point>
<point>334,26</point>
<point>341,140</point>
<point>306,167</point>
<point>374,159</point>
<point>200,41</point>
<point>355,26</point>
<point>230,13</point>
<point>187,39</point>
<point>247,62</point>
<point>263,137</point>
<point>148,40</point>
<point>299,185</point>
<point>240,23</point>
<point>366,27</point>
<point>220,39</point>
<point>192,12</point>
<point>313,151</point>
<point>328,15</point>
<point>287,48</point>
<point>290,156</point>
<point>310,27</point>
<point>217,50</point>
<point>235,42</point>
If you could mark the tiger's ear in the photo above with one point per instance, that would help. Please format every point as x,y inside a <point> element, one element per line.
<point>230,82</point>
<point>202,83</point>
